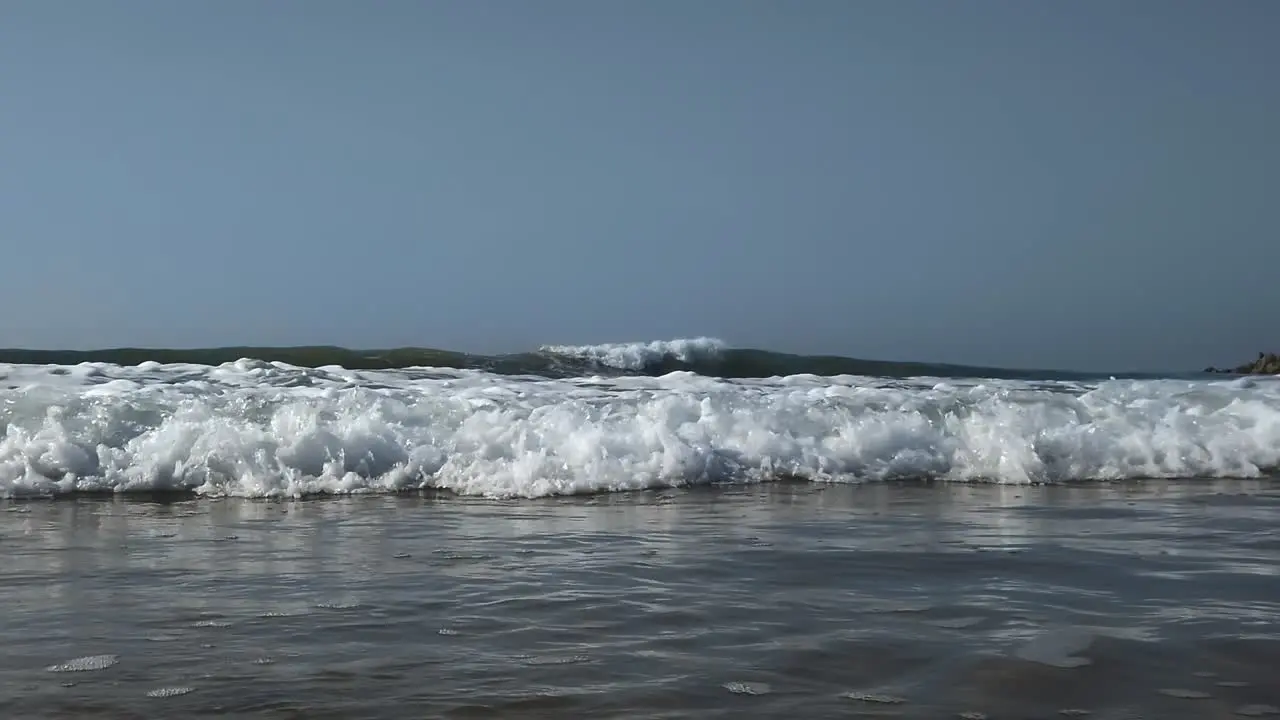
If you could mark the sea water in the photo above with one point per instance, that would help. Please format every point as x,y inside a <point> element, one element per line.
<point>1117,600</point>
<point>258,539</point>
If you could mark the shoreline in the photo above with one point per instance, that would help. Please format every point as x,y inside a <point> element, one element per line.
<point>1266,364</point>
<point>666,493</point>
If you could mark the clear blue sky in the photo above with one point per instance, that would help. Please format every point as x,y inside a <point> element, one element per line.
<point>1066,184</point>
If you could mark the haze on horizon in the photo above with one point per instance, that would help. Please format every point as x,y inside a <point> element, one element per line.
<point>1086,185</point>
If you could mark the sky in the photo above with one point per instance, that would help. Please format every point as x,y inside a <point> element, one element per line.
<point>1078,185</point>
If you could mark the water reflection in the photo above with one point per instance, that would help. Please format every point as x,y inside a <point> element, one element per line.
<point>811,590</point>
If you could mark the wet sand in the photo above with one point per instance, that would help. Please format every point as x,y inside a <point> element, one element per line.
<point>1141,599</point>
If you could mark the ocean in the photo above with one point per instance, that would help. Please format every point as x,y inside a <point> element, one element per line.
<point>661,530</point>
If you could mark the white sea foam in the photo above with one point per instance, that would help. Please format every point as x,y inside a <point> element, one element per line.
<point>88,663</point>
<point>266,429</point>
<point>637,356</point>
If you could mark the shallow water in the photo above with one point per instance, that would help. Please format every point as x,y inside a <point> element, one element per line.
<point>1157,599</point>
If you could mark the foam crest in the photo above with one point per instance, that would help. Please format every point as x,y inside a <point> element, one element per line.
<point>638,356</point>
<point>268,429</point>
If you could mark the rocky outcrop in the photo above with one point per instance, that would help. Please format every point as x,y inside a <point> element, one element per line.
<point>1266,364</point>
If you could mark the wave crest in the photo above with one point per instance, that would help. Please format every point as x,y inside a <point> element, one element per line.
<point>638,357</point>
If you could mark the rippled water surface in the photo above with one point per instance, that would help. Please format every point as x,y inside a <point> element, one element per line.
<point>1128,600</point>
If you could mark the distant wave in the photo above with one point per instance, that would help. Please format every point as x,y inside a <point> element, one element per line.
<point>703,356</point>
<point>640,357</point>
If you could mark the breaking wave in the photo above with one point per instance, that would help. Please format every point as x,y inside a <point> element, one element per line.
<point>255,428</point>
